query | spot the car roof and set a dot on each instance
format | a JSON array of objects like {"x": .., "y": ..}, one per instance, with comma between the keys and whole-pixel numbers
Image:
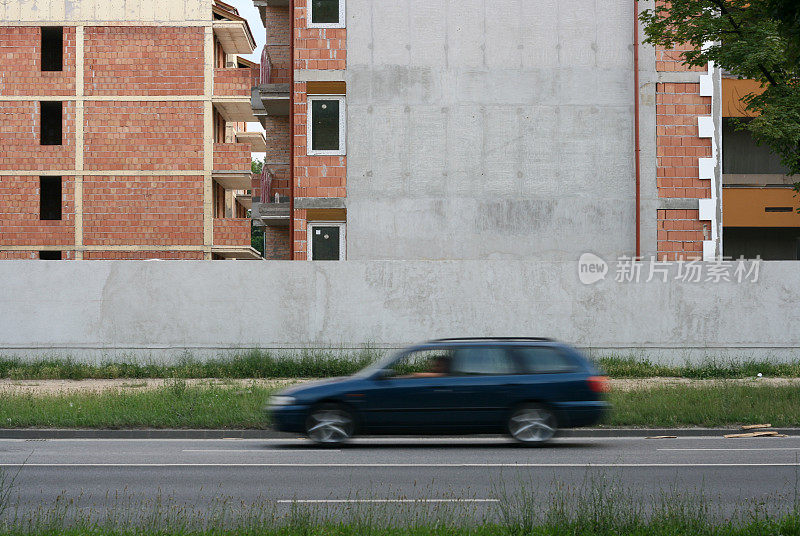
[{"x": 488, "y": 341}]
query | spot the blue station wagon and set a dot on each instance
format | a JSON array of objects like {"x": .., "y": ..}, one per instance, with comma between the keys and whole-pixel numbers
[{"x": 526, "y": 387}]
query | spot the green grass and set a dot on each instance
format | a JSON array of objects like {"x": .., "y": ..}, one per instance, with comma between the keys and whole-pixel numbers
[
  {"x": 324, "y": 363},
  {"x": 782, "y": 526},
  {"x": 182, "y": 406},
  {"x": 536, "y": 509},
  {"x": 174, "y": 406},
  {"x": 631, "y": 367},
  {"x": 252, "y": 364}
]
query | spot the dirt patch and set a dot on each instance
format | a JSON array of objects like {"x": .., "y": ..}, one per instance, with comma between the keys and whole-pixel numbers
[
  {"x": 634, "y": 384},
  {"x": 54, "y": 387}
]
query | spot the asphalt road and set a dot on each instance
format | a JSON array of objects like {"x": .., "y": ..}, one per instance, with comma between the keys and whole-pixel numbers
[{"x": 481, "y": 473}]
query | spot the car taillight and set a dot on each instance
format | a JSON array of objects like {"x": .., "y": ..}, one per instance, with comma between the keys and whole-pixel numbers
[{"x": 598, "y": 384}]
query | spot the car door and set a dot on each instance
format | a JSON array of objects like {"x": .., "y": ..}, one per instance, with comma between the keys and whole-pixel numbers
[
  {"x": 550, "y": 375},
  {"x": 484, "y": 378},
  {"x": 407, "y": 397}
]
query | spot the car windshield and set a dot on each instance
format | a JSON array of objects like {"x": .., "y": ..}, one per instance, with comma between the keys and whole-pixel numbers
[{"x": 380, "y": 364}]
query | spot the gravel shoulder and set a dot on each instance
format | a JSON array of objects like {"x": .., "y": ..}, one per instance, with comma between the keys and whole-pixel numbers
[{"x": 55, "y": 387}]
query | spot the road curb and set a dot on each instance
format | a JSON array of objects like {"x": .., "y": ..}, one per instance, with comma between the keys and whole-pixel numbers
[{"x": 40, "y": 433}]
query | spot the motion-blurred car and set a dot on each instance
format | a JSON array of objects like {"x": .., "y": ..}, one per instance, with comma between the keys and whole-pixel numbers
[{"x": 526, "y": 387}]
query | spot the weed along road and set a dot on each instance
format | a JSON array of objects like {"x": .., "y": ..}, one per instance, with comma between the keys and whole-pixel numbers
[{"x": 480, "y": 472}]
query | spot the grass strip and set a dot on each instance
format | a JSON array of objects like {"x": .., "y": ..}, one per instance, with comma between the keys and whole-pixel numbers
[
  {"x": 325, "y": 363},
  {"x": 787, "y": 525},
  {"x": 180, "y": 406}
]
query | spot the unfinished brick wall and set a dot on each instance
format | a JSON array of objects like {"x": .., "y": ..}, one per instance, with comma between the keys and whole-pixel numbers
[
  {"x": 278, "y": 44},
  {"x": 669, "y": 60},
  {"x": 20, "y": 142},
  {"x": 678, "y": 148},
  {"x": 143, "y": 210},
  {"x": 680, "y": 234},
  {"x": 143, "y": 135},
  {"x": 20, "y": 63},
  {"x": 232, "y": 81},
  {"x": 231, "y": 231},
  {"x": 29, "y": 255},
  {"x": 318, "y": 48},
  {"x": 232, "y": 156},
  {"x": 300, "y": 234},
  {"x": 19, "y": 213},
  {"x": 276, "y": 243},
  {"x": 142, "y": 255},
  {"x": 138, "y": 60},
  {"x": 678, "y": 144}
]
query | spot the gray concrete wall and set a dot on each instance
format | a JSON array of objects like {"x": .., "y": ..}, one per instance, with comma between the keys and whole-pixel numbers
[
  {"x": 494, "y": 129},
  {"x": 158, "y": 309}
]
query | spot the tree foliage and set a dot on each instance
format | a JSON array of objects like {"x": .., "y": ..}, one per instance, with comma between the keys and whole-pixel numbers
[{"x": 755, "y": 39}]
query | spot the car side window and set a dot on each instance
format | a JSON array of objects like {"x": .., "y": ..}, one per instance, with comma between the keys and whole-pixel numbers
[
  {"x": 481, "y": 361},
  {"x": 422, "y": 364},
  {"x": 544, "y": 360}
]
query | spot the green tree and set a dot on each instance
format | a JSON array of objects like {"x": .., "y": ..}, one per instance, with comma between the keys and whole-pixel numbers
[
  {"x": 756, "y": 39},
  {"x": 257, "y": 239},
  {"x": 256, "y": 166}
]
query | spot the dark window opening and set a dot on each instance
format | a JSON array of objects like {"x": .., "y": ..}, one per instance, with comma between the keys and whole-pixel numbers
[
  {"x": 325, "y": 12},
  {"x": 50, "y": 198},
  {"x": 52, "y": 49},
  {"x": 741, "y": 155},
  {"x": 324, "y": 125},
  {"x": 50, "y": 255},
  {"x": 325, "y": 243},
  {"x": 50, "y": 122},
  {"x": 768, "y": 243}
]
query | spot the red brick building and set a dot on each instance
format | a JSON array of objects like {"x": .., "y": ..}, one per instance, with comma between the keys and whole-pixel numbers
[
  {"x": 122, "y": 133},
  {"x": 315, "y": 202}
]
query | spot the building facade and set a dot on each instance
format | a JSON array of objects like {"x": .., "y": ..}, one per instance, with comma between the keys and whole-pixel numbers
[
  {"x": 504, "y": 129},
  {"x": 123, "y": 130}
]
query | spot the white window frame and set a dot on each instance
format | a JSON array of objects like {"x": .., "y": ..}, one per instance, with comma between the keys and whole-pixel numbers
[
  {"x": 340, "y": 24},
  {"x": 342, "y": 237},
  {"x": 342, "y": 126}
]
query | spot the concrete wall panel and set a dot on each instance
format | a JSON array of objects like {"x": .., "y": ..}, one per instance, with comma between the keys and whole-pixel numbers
[
  {"x": 477, "y": 110},
  {"x": 160, "y": 309}
]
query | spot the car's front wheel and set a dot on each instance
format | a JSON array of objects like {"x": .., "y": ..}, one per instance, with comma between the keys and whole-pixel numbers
[
  {"x": 532, "y": 424},
  {"x": 330, "y": 424}
]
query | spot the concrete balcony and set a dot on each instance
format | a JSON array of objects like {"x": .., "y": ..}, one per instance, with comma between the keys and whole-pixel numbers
[
  {"x": 232, "y": 162},
  {"x": 256, "y": 140},
  {"x": 270, "y": 99},
  {"x": 234, "y": 36},
  {"x": 233, "y": 93},
  {"x": 271, "y": 214},
  {"x": 232, "y": 239}
]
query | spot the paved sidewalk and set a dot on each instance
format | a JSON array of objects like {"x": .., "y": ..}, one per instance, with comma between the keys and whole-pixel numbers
[
  {"x": 49, "y": 433},
  {"x": 54, "y": 387}
]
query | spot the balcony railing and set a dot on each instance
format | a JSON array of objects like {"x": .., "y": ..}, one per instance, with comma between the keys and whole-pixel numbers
[
  {"x": 233, "y": 81},
  {"x": 232, "y": 157},
  {"x": 266, "y": 66},
  {"x": 232, "y": 231},
  {"x": 266, "y": 185}
]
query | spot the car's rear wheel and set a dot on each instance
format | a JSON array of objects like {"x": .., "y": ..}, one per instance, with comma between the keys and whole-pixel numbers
[
  {"x": 532, "y": 424},
  {"x": 329, "y": 424}
]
